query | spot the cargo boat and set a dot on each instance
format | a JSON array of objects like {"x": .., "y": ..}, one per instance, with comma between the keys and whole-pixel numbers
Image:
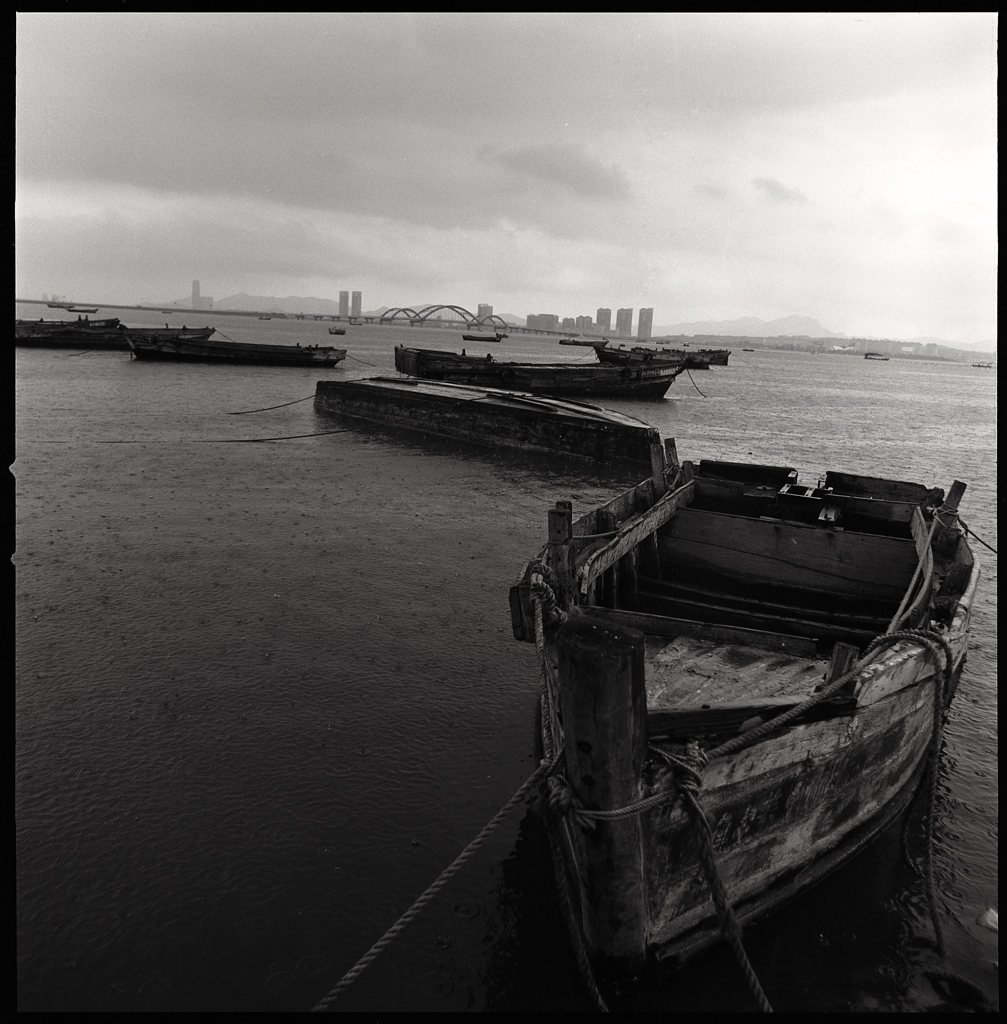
[
  {"x": 575, "y": 380},
  {"x": 196, "y": 346}
]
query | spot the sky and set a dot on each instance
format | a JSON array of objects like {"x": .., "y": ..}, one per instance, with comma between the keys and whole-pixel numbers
[{"x": 837, "y": 166}]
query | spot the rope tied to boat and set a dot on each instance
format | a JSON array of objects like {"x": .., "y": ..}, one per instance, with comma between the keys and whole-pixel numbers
[
  {"x": 971, "y": 533},
  {"x": 541, "y": 583}
]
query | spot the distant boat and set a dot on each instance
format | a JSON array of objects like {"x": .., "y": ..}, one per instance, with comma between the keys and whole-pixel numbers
[
  {"x": 79, "y": 333},
  {"x": 499, "y": 336},
  {"x": 983, "y": 366},
  {"x": 83, "y": 309},
  {"x": 748, "y": 350},
  {"x": 195, "y": 346},
  {"x": 573, "y": 380},
  {"x": 694, "y": 359},
  {"x": 59, "y": 305},
  {"x": 876, "y": 355},
  {"x": 337, "y": 330},
  {"x": 584, "y": 344},
  {"x": 265, "y": 318}
]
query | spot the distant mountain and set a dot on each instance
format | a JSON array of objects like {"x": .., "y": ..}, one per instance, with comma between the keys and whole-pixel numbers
[{"x": 752, "y": 327}]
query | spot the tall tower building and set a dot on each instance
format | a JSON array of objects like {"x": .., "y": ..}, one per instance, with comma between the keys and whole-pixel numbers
[
  {"x": 624, "y": 323},
  {"x": 645, "y": 328},
  {"x": 355, "y": 304},
  {"x": 344, "y": 303},
  {"x": 484, "y": 310},
  {"x": 604, "y": 320},
  {"x": 195, "y": 295}
]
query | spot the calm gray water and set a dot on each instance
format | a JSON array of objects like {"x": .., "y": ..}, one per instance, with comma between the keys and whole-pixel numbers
[{"x": 266, "y": 692}]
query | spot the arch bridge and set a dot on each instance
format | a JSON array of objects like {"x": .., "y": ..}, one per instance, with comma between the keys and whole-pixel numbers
[{"x": 421, "y": 316}]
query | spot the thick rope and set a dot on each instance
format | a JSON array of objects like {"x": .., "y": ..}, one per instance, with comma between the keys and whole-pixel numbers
[{"x": 358, "y": 968}]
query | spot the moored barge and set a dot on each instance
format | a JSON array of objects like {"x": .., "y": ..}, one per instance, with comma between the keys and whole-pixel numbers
[{"x": 494, "y": 417}]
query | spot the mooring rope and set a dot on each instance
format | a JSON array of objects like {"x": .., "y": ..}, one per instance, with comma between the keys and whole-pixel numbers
[
  {"x": 257, "y": 440},
  {"x": 971, "y": 533},
  {"x": 358, "y": 968},
  {"x": 694, "y": 384},
  {"x": 562, "y": 801},
  {"x": 359, "y": 360},
  {"x": 245, "y": 412}
]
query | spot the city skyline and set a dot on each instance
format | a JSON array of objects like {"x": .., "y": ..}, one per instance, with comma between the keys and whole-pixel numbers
[{"x": 835, "y": 166}]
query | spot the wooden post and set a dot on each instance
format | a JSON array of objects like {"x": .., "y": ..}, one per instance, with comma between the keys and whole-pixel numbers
[
  {"x": 603, "y": 703},
  {"x": 844, "y": 657},
  {"x": 955, "y": 495},
  {"x": 657, "y": 463},
  {"x": 671, "y": 453},
  {"x": 559, "y": 555}
]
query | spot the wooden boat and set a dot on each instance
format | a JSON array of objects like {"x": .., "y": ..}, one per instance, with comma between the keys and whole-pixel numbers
[
  {"x": 83, "y": 309},
  {"x": 585, "y": 344},
  {"x": 748, "y": 350},
  {"x": 983, "y": 366},
  {"x": 494, "y": 417},
  {"x": 781, "y": 654},
  {"x": 619, "y": 356},
  {"x": 499, "y": 336},
  {"x": 876, "y": 356},
  {"x": 196, "y": 346},
  {"x": 80, "y": 333},
  {"x": 558, "y": 379},
  {"x": 337, "y": 330}
]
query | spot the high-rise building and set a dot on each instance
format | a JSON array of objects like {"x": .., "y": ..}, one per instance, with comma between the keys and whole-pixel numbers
[
  {"x": 484, "y": 310},
  {"x": 624, "y": 323},
  {"x": 355, "y": 300},
  {"x": 604, "y": 320},
  {"x": 645, "y": 327},
  {"x": 200, "y": 301},
  {"x": 344, "y": 303},
  {"x": 569, "y": 324},
  {"x": 584, "y": 323},
  {"x": 195, "y": 295},
  {"x": 543, "y": 321}
]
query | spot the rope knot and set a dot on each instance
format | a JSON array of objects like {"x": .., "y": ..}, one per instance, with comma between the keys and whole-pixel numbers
[
  {"x": 692, "y": 767},
  {"x": 543, "y": 593}
]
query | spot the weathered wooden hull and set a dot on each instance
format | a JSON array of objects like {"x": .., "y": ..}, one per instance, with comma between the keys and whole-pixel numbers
[
  {"x": 91, "y": 334},
  {"x": 705, "y": 667},
  {"x": 563, "y": 379},
  {"x": 653, "y": 357},
  {"x": 198, "y": 347},
  {"x": 491, "y": 417}
]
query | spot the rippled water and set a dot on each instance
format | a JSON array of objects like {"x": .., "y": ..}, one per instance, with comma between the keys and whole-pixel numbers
[{"x": 266, "y": 692}]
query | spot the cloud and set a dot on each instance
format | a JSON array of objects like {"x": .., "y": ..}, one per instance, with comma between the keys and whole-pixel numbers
[
  {"x": 778, "y": 192},
  {"x": 567, "y": 164}
]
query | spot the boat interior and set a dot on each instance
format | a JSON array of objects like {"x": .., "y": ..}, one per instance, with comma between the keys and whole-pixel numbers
[{"x": 752, "y": 590}]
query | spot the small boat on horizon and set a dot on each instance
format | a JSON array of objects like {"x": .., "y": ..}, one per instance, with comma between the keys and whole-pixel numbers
[
  {"x": 573, "y": 380},
  {"x": 876, "y": 356},
  {"x": 337, "y": 330},
  {"x": 499, "y": 336},
  {"x": 195, "y": 346},
  {"x": 83, "y": 309}
]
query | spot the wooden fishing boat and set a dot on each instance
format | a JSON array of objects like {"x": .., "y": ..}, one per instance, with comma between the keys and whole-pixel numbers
[
  {"x": 558, "y": 379},
  {"x": 499, "y": 336},
  {"x": 196, "y": 346},
  {"x": 80, "y": 333},
  {"x": 497, "y": 418},
  {"x": 83, "y": 309},
  {"x": 337, "y": 330},
  {"x": 721, "y": 639},
  {"x": 619, "y": 356},
  {"x": 876, "y": 356}
]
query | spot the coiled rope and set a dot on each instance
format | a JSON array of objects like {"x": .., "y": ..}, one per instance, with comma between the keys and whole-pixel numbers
[{"x": 563, "y": 803}]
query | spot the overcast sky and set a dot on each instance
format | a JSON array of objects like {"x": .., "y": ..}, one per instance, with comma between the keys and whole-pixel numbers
[{"x": 839, "y": 166}]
